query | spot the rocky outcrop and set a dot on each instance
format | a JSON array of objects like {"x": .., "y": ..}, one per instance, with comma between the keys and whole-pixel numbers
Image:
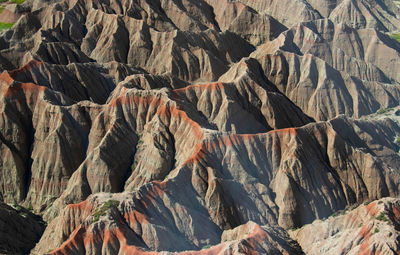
[
  {"x": 87, "y": 30},
  {"x": 231, "y": 189},
  {"x": 91, "y": 131},
  {"x": 369, "y": 229},
  {"x": 329, "y": 69},
  {"x": 90, "y": 81},
  {"x": 199, "y": 127},
  {"x": 381, "y": 15},
  {"x": 255, "y": 27},
  {"x": 111, "y": 220}
]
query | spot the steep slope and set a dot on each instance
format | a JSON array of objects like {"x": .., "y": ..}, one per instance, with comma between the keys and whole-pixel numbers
[
  {"x": 300, "y": 10},
  {"x": 92, "y": 132},
  {"x": 255, "y": 27},
  {"x": 20, "y": 229},
  {"x": 329, "y": 69},
  {"x": 369, "y": 229},
  {"x": 381, "y": 15},
  {"x": 86, "y": 31},
  {"x": 199, "y": 126},
  {"x": 89, "y": 81},
  {"x": 219, "y": 189}
]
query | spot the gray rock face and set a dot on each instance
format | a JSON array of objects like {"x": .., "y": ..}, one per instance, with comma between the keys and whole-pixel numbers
[
  {"x": 199, "y": 127},
  {"x": 329, "y": 69}
]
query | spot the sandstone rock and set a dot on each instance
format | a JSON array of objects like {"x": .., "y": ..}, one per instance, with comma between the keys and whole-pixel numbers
[
  {"x": 327, "y": 73},
  {"x": 219, "y": 189},
  {"x": 183, "y": 126},
  {"x": 369, "y": 229}
]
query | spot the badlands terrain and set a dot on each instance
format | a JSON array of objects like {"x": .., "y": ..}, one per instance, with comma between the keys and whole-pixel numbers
[{"x": 199, "y": 127}]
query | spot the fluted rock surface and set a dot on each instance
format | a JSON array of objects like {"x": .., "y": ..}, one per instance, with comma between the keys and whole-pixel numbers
[
  {"x": 200, "y": 126},
  {"x": 330, "y": 69},
  {"x": 369, "y": 229}
]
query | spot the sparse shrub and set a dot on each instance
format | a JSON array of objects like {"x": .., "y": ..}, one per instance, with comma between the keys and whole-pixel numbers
[
  {"x": 13, "y": 1},
  {"x": 4, "y": 25},
  {"x": 17, "y": 1},
  {"x": 134, "y": 165},
  {"x": 139, "y": 135},
  {"x": 382, "y": 217},
  {"x": 337, "y": 213},
  {"x": 96, "y": 218},
  {"x": 104, "y": 208},
  {"x": 376, "y": 230},
  {"x": 396, "y": 37},
  {"x": 397, "y": 141},
  {"x": 206, "y": 247},
  {"x": 383, "y": 110}
]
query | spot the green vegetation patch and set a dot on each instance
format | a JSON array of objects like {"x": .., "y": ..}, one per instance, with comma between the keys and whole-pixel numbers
[
  {"x": 104, "y": 208},
  {"x": 139, "y": 136},
  {"x": 206, "y": 247},
  {"x": 376, "y": 230},
  {"x": 397, "y": 141},
  {"x": 12, "y": 1},
  {"x": 383, "y": 110},
  {"x": 396, "y": 36},
  {"x": 4, "y": 25},
  {"x": 17, "y": 1},
  {"x": 382, "y": 217}
]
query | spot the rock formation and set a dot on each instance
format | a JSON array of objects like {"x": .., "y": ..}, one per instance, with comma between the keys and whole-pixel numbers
[
  {"x": 199, "y": 127},
  {"x": 369, "y": 229}
]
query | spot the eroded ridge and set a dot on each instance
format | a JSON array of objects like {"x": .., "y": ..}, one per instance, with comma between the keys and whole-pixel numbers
[{"x": 199, "y": 127}]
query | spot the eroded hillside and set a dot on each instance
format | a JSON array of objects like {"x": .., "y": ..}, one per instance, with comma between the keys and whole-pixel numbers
[{"x": 200, "y": 127}]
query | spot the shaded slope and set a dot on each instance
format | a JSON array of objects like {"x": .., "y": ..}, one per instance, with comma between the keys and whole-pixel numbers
[
  {"x": 20, "y": 229},
  {"x": 219, "y": 188},
  {"x": 189, "y": 126},
  {"x": 328, "y": 70}
]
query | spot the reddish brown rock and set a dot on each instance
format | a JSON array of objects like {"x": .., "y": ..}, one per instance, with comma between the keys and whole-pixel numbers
[
  {"x": 189, "y": 126},
  {"x": 369, "y": 229}
]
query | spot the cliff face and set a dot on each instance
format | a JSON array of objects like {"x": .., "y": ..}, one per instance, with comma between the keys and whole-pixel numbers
[{"x": 199, "y": 127}]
